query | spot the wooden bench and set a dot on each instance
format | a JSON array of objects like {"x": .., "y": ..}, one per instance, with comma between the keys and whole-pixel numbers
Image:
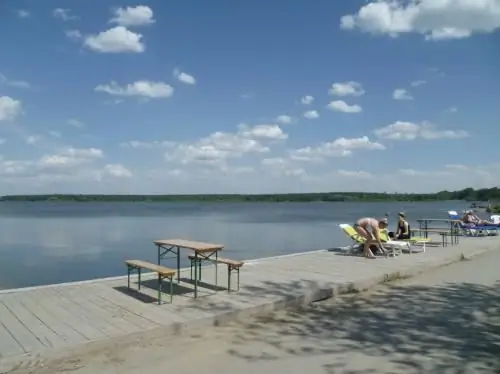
[
  {"x": 162, "y": 271},
  {"x": 231, "y": 265}
]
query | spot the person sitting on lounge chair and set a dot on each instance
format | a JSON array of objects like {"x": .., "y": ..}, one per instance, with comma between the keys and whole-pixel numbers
[
  {"x": 403, "y": 229},
  {"x": 369, "y": 228},
  {"x": 473, "y": 219}
]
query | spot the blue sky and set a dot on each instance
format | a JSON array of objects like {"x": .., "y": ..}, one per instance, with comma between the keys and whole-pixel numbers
[{"x": 248, "y": 96}]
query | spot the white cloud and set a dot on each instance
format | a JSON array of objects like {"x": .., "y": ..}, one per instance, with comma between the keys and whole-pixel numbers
[
  {"x": 217, "y": 148},
  {"x": 336, "y": 148},
  {"x": 118, "y": 171},
  {"x": 358, "y": 174},
  {"x": 13, "y": 83},
  {"x": 418, "y": 83},
  {"x": 311, "y": 114},
  {"x": 342, "y": 106},
  {"x": 2, "y": 141},
  {"x": 283, "y": 167},
  {"x": 350, "y": 88},
  {"x": 63, "y": 14},
  {"x": 270, "y": 132},
  {"x": 33, "y": 139},
  {"x": 401, "y": 130},
  {"x": 115, "y": 40},
  {"x": 148, "y": 89},
  {"x": 284, "y": 119},
  {"x": 76, "y": 123},
  {"x": 67, "y": 161},
  {"x": 140, "y": 15},
  {"x": 10, "y": 108},
  {"x": 151, "y": 144},
  {"x": 23, "y": 13},
  {"x": 452, "y": 109},
  {"x": 74, "y": 35},
  {"x": 306, "y": 100},
  {"x": 55, "y": 134},
  {"x": 435, "y": 19},
  {"x": 184, "y": 77},
  {"x": 401, "y": 94}
]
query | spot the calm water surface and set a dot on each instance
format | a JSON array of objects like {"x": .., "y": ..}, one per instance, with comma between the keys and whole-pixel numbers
[{"x": 43, "y": 243}]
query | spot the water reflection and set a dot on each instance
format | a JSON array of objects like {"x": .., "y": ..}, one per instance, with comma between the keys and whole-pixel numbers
[{"x": 43, "y": 243}]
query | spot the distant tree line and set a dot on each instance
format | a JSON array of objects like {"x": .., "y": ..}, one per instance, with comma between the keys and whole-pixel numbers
[{"x": 468, "y": 194}]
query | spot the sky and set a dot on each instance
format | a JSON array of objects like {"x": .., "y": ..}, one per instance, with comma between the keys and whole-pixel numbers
[{"x": 234, "y": 96}]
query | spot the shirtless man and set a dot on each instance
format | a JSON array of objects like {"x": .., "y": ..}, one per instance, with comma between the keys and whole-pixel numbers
[{"x": 369, "y": 228}]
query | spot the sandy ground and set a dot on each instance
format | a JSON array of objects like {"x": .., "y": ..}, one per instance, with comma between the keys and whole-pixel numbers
[{"x": 443, "y": 322}]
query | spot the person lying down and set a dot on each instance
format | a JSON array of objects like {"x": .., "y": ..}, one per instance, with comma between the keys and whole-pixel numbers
[{"x": 369, "y": 228}]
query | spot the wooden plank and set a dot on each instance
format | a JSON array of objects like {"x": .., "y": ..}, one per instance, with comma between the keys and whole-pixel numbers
[
  {"x": 18, "y": 330},
  {"x": 61, "y": 311},
  {"x": 77, "y": 302},
  {"x": 42, "y": 308},
  {"x": 153, "y": 313},
  {"x": 189, "y": 244},
  {"x": 153, "y": 267},
  {"x": 9, "y": 346},
  {"x": 114, "y": 314},
  {"x": 43, "y": 333}
]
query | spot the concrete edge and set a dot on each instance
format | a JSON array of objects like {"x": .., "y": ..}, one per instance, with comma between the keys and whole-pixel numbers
[
  {"x": 314, "y": 293},
  {"x": 133, "y": 276}
]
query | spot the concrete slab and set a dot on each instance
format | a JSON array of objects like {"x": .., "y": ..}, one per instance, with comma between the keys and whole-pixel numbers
[{"x": 40, "y": 320}]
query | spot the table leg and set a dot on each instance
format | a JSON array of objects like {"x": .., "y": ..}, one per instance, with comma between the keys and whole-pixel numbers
[
  {"x": 160, "y": 281},
  {"x": 216, "y": 257},
  {"x": 196, "y": 275},
  {"x": 178, "y": 250}
]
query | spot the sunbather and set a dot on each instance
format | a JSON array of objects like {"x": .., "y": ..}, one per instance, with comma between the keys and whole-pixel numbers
[
  {"x": 369, "y": 228},
  {"x": 403, "y": 229},
  {"x": 470, "y": 218}
]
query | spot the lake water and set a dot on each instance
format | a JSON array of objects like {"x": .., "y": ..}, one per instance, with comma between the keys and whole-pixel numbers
[{"x": 44, "y": 243}]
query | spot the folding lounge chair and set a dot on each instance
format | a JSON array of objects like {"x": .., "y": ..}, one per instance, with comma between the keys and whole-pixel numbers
[
  {"x": 395, "y": 247},
  {"x": 472, "y": 230}
]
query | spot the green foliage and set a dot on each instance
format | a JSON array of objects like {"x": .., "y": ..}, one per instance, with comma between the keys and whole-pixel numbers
[
  {"x": 469, "y": 194},
  {"x": 495, "y": 209}
]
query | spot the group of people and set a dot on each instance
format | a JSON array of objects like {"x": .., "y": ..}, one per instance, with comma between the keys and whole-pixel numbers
[{"x": 370, "y": 229}]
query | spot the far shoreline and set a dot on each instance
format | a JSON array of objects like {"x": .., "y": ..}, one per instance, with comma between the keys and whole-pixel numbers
[{"x": 485, "y": 197}]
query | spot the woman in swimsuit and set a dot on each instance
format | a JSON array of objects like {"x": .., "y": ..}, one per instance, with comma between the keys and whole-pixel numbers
[{"x": 369, "y": 228}]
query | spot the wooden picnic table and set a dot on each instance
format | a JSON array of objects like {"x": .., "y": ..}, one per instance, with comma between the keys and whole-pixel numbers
[
  {"x": 444, "y": 232},
  {"x": 201, "y": 250},
  {"x": 424, "y": 224}
]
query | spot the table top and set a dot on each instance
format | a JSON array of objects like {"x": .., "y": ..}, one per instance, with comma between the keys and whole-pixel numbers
[
  {"x": 189, "y": 244},
  {"x": 438, "y": 231},
  {"x": 437, "y": 220}
]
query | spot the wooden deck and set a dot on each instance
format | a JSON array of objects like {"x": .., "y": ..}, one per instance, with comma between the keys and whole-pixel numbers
[{"x": 51, "y": 317}]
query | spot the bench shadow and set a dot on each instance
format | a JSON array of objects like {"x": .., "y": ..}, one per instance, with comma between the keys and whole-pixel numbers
[
  {"x": 136, "y": 294},
  {"x": 202, "y": 284},
  {"x": 152, "y": 284}
]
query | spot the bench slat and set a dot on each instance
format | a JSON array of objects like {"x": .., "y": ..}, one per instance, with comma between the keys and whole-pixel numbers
[
  {"x": 227, "y": 261},
  {"x": 153, "y": 267}
]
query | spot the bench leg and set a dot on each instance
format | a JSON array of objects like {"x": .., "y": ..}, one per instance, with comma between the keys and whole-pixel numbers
[
  {"x": 191, "y": 268},
  {"x": 238, "y": 279},
  {"x": 171, "y": 290},
  {"x": 139, "y": 282},
  {"x": 128, "y": 277},
  {"x": 160, "y": 281},
  {"x": 229, "y": 278}
]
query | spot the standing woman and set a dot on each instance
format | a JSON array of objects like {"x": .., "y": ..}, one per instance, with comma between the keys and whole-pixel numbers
[
  {"x": 403, "y": 230},
  {"x": 369, "y": 228}
]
